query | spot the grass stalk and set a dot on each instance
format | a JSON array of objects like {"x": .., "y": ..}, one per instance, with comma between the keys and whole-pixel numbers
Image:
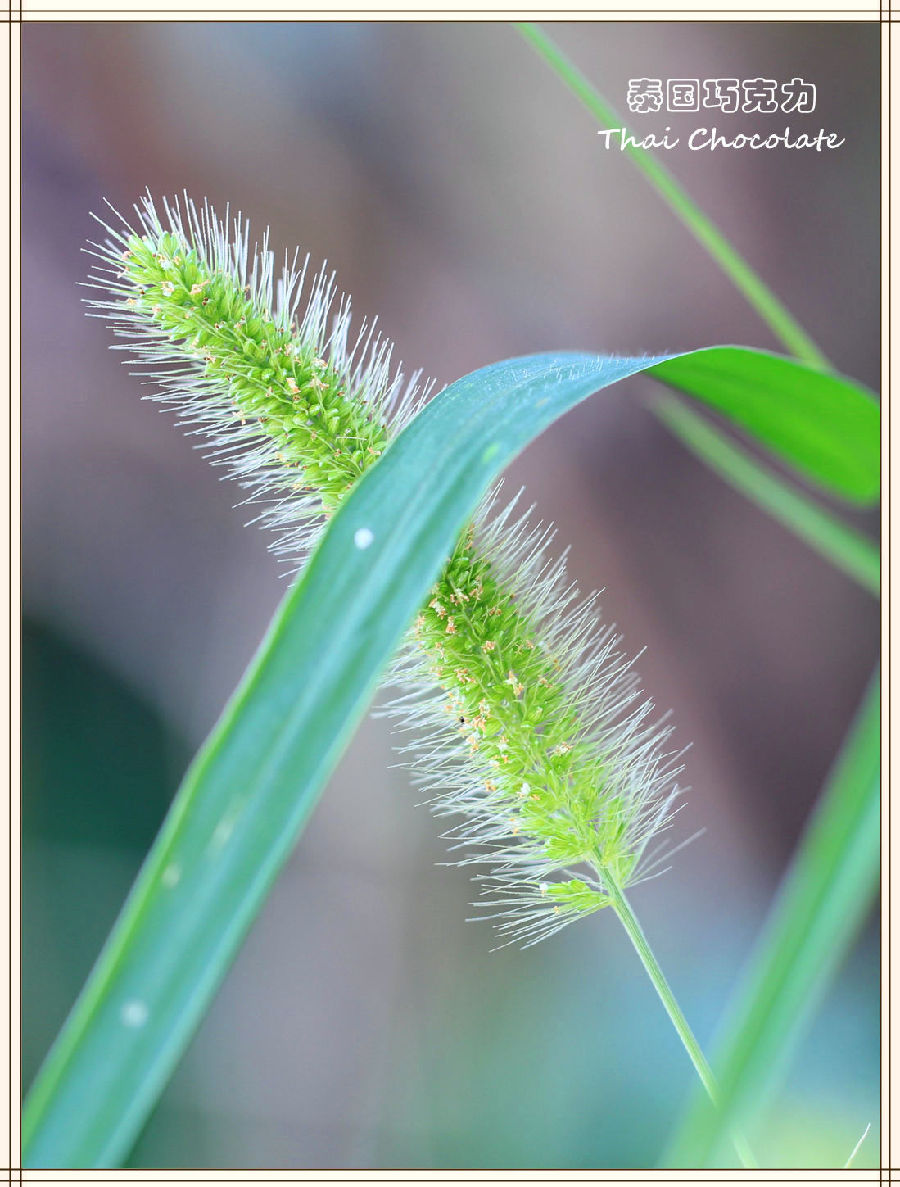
[
  {"x": 823, "y": 901},
  {"x": 631, "y": 923},
  {"x": 845, "y": 548},
  {"x": 758, "y": 294}
]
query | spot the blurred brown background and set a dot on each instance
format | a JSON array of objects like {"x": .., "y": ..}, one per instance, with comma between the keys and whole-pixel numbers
[{"x": 462, "y": 195}]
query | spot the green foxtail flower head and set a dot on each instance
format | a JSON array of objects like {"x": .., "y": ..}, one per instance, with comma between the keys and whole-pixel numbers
[{"x": 528, "y": 725}]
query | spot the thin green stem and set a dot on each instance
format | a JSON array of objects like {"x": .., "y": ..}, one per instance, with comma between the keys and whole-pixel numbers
[
  {"x": 821, "y": 905},
  {"x": 844, "y": 547},
  {"x": 776, "y": 316},
  {"x": 632, "y": 926}
]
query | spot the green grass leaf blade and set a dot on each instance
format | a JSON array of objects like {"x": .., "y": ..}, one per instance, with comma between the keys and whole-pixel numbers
[
  {"x": 248, "y": 793},
  {"x": 822, "y": 903},
  {"x": 826, "y": 426},
  {"x": 845, "y": 548},
  {"x": 776, "y": 316}
]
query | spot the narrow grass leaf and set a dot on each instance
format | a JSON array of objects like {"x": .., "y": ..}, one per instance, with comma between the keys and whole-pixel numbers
[
  {"x": 845, "y": 548},
  {"x": 825, "y": 426},
  {"x": 776, "y": 316},
  {"x": 823, "y": 901}
]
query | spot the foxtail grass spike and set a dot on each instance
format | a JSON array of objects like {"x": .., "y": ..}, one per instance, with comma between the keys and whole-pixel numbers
[{"x": 529, "y": 727}]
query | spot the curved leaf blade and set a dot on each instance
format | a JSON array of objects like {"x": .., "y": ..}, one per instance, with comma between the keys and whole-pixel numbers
[
  {"x": 255, "y": 781},
  {"x": 824, "y": 425}
]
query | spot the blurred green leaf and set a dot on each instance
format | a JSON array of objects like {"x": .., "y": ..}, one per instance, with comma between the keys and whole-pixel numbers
[
  {"x": 823, "y": 901},
  {"x": 89, "y": 813}
]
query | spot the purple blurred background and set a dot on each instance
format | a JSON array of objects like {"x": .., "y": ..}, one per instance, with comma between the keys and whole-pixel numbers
[{"x": 462, "y": 195}]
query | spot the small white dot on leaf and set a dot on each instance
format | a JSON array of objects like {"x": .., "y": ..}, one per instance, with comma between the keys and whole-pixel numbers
[
  {"x": 171, "y": 875},
  {"x": 363, "y": 537},
  {"x": 134, "y": 1013},
  {"x": 221, "y": 833}
]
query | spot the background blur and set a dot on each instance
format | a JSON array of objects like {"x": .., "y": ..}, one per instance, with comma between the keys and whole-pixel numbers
[{"x": 461, "y": 194}]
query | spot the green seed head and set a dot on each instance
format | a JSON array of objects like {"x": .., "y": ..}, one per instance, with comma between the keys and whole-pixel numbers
[{"x": 529, "y": 727}]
